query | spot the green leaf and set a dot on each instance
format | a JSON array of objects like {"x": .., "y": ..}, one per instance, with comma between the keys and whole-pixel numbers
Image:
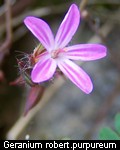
[
  {"x": 117, "y": 123},
  {"x": 108, "y": 134}
]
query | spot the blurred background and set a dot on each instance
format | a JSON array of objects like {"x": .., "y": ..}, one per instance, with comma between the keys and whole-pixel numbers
[{"x": 65, "y": 111}]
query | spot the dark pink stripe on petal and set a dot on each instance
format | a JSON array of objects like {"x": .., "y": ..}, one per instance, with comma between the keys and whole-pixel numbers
[
  {"x": 76, "y": 75},
  {"x": 41, "y": 31},
  {"x": 86, "y": 52},
  {"x": 68, "y": 27},
  {"x": 43, "y": 70}
]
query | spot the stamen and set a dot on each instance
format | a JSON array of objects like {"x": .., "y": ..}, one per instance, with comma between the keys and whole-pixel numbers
[{"x": 55, "y": 53}]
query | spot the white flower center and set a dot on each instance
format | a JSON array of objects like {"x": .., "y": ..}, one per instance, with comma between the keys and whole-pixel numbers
[{"x": 55, "y": 53}]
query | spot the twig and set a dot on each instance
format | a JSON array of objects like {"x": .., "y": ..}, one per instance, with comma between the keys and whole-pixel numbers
[
  {"x": 39, "y": 12},
  {"x": 83, "y": 4},
  {"x": 6, "y": 45},
  {"x": 17, "y": 8},
  {"x": 101, "y": 2}
]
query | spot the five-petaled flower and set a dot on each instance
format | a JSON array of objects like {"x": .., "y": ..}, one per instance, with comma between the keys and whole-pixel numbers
[{"x": 59, "y": 55}]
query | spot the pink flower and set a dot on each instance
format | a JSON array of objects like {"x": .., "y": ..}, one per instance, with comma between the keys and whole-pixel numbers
[{"x": 59, "y": 55}]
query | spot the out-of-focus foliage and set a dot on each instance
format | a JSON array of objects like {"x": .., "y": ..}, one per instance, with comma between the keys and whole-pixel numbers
[
  {"x": 117, "y": 123},
  {"x": 107, "y": 133}
]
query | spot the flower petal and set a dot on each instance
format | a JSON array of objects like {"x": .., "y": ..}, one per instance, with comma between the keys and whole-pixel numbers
[
  {"x": 68, "y": 27},
  {"x": 76, "y": 75},
  {"x": 43, "y": 70},
  {"x": 41, "y": 31},
  {"x": 86, "y": 52}
]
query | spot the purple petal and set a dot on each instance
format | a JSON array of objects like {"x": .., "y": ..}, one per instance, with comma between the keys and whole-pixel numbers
[
  {"x": 76, "y": 75},
  {"x": 43, "y": 70},
  {"x": 41, "y": 31},
  {"x": 68, "y": 27},
  {"x": 86, "y": 52}
]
